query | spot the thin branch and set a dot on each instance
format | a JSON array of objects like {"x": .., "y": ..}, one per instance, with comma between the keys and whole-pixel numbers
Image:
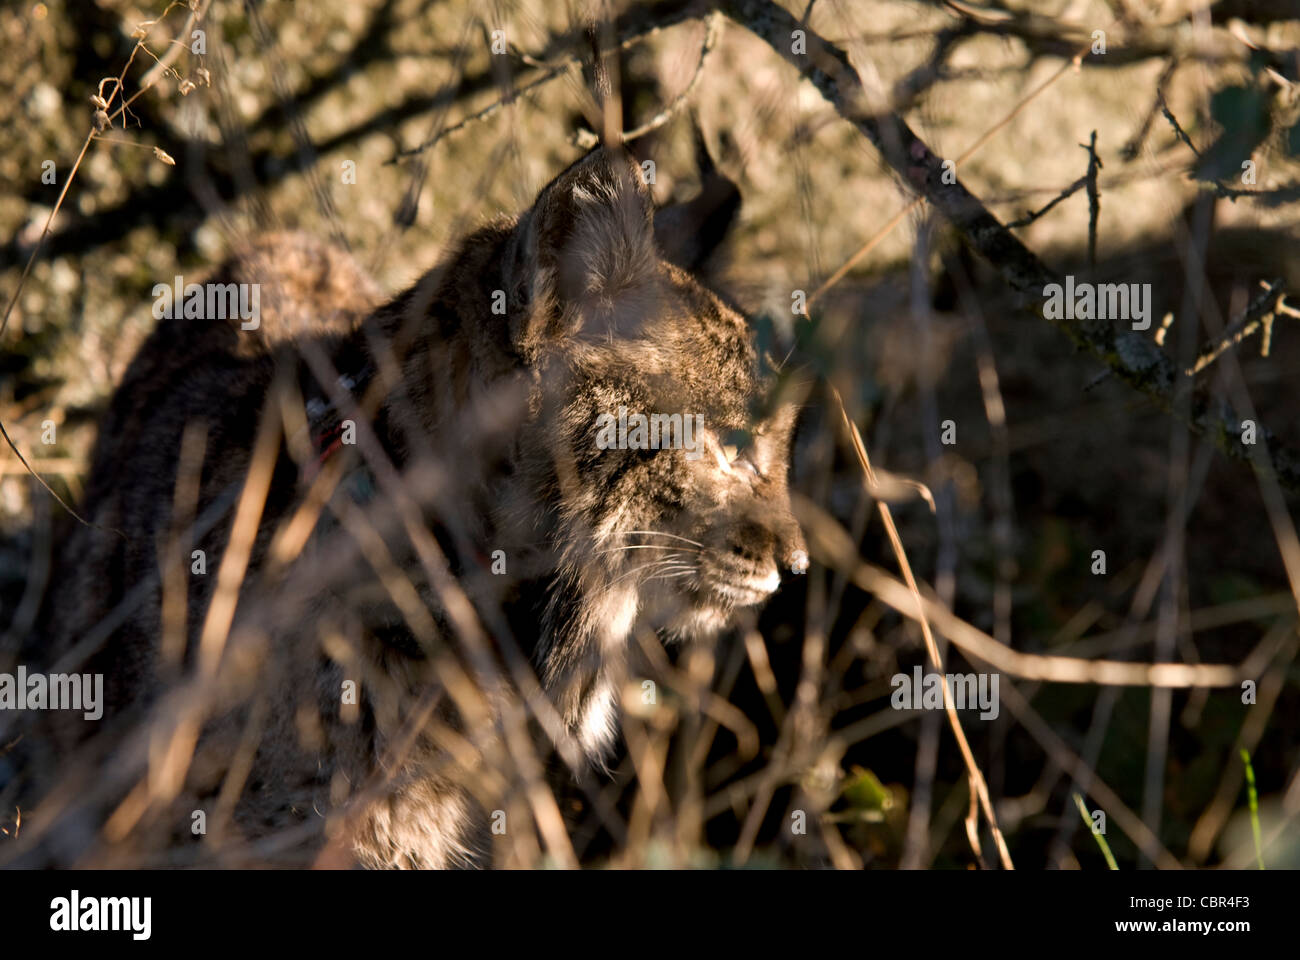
[
  {"x": 1260, "y": 313},
  {"x": 1173, "y": 122},
  {"x": 637, "y": 25},
  {"x": 1134, "y": 143},
  {"x": 1033, "y": 215},
  {"x": 712, "y": 28},
  {"x": 1094, "y": 196}
]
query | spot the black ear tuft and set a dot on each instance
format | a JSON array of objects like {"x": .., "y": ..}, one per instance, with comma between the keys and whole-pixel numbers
[{"x": 690, "y": 233}]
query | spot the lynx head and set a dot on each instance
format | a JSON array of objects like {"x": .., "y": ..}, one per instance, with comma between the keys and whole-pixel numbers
[{"x": 663, "y": 452}]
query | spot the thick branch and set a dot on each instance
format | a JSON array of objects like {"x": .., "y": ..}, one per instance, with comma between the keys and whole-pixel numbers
[{"x": 1129, "y": 355}]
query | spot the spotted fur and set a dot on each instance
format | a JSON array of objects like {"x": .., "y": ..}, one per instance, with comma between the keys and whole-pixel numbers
[{"x": 488, "y": 419}]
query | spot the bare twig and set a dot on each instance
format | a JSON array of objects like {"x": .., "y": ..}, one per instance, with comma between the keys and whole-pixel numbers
[
  {"x": 1033, "y": 215},
  {"x": 1259, "y": 314},
  {"x": 1094, "y": 196},
  {"x": 586, "y": 139},
  {"x": 1173, "y": 122}
]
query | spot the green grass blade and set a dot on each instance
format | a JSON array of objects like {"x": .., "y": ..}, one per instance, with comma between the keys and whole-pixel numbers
[
  {"x": 1253, "y": 796},
  {"x": 1101, "y": 840}
]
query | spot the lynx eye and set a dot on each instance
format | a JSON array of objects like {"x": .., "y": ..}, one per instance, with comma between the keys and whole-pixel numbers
[
  {"x": 735, "y": 452},
  {"x": 730, "y": 457},
  {"x": 737, "y": 458}
]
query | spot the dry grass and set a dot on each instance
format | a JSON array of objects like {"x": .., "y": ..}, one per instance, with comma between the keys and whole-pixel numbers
[{"x": 1123, "y": 687}]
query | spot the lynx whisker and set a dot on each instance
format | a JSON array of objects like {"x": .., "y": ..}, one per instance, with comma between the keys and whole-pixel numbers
[
  {"x": 648, "y": 546},
  {"x": 660, "y": 533},
  {"x": 644, "y": 566}
]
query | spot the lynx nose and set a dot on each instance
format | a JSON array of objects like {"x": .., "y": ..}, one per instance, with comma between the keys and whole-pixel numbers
[{"x": 792, "y": 550}]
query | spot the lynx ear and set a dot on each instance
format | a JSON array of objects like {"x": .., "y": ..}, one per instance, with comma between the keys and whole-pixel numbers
[
  {"x": 689, "y": 233},
  {"x": 583, "y": 259}
]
